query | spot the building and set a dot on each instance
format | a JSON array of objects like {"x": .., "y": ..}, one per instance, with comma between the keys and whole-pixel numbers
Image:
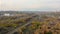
[{"x": 7, "y": 14}]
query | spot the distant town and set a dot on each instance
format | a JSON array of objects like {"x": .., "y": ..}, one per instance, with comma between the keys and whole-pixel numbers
[{"x": 28, "y": 22}]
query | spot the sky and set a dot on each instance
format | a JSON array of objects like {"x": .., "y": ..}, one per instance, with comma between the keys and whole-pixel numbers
[{"x": 30, "y": 5}]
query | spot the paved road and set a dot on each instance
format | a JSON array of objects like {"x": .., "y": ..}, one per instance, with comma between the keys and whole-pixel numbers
[{"x": 29, "y": 22}]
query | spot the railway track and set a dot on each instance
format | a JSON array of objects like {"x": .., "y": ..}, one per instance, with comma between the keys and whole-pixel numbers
[{"x": 29, "y": 21}]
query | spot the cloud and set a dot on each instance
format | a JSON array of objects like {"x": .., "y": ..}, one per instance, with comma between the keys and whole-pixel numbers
[{"x": 29, "y": 5}]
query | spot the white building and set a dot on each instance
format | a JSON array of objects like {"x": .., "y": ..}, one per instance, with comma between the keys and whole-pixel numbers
[{"x": 6, "y": 14}]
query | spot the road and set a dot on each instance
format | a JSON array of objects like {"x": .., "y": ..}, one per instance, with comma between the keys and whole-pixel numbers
[{"x": 29, "y": 22}]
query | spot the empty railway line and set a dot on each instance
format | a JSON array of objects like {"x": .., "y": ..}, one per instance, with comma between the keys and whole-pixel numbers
[{"x": 29, "y": 21}]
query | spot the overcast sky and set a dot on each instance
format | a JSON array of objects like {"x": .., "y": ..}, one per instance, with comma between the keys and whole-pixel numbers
[{"x": 29, "y": 5}]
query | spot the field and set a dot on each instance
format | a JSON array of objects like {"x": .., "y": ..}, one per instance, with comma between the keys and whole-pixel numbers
[{"x": 13, "y": 22}]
